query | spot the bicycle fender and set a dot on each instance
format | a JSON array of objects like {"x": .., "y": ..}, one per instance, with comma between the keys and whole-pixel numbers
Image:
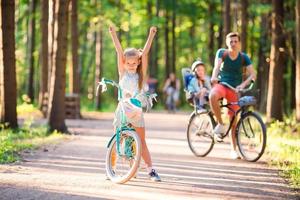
[
  {"x": 191, "y": 116},
  {"x": 122, "y": 129},
  {"x": 111, "y": 139}
]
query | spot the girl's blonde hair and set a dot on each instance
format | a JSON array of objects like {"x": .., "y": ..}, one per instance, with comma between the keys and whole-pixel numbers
[{"x": 133, "y": 52}]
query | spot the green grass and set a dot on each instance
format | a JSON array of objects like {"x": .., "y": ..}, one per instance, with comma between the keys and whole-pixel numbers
[
  {"x": 283, "y": 149},
  {"x": 14, "y": 141}
]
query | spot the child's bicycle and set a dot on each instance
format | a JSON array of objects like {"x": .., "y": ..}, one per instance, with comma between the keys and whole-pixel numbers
[
  {"x": 124, "y": 148},
  {"x": 250, "y": 130}
]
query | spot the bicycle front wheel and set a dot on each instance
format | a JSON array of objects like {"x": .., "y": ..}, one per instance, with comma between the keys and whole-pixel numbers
[
  {"x": 122, "y": 161},
  {"x": 251, "y": 136},
  {"x": 199, "y": 134}
]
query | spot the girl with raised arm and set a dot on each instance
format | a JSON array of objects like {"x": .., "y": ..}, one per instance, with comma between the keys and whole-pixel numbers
[{"x": 132, "y": 68}]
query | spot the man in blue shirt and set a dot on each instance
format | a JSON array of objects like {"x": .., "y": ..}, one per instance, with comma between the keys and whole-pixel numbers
[{"x": 228, "y": 67}]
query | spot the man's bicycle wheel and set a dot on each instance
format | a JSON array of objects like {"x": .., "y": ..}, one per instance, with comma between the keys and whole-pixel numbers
[
  {"x": 251, "y": 136},
  {"x": 199, "y": 134},
  {"x": 122, "y": 161}
]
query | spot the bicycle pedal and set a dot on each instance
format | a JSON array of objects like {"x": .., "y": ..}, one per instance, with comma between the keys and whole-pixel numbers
[{"x": 218, "y": 139}]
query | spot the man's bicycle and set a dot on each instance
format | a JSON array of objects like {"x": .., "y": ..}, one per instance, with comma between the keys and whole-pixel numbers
[
  {"x": 124, "y": 148},
  {"x": 250, "y": 130}
]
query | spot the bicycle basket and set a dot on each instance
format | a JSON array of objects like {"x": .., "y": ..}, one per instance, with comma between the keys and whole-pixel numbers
[
  {"x": 132, "y": 109},
  {"x": 247, "y": 101}
]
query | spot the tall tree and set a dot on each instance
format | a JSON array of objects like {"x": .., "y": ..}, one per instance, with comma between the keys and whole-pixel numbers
[
  {"x": 167, "y": 61},
  {"x": 263, "y": 65},
  {"x": 274, "y": 101},
  {"x": 226, "y": 19},
  {"x": 151, "y": 53},
  {"x": 8, "y": 83},
  {"x": 211, "y": 33},
  {"x": 156, "y": 46},
  {"x": 244, "y": 19},
  {"x": 31, "y": 45},
  {"x": 173, "y": 64},
  {"x": 56, "y": 108},
  {"x": 98, "y": 58},
  {"x": 298, "y": 60},
  {"x": 74, "y": 78},
  {"x": 44, "y": 52},
  {"x": 193, "y": 45},
  {"x": 51, "y": 31}
]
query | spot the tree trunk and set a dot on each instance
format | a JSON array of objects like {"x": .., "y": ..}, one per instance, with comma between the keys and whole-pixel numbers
[
  {"x": 156, "y": 47},
  {"x": 167, "y": 63},
  {"x": 31, "y": 44},
  {"x": 173, "y": 64},
  {"x": 8, "y": 83},
  {"x": 263, "y": 65},
  {"x": 293, "y": 74},
  {"x": 51, "y": 30},
  {"x": 151, "y": 53},
  {"x": 274, "y": 102},
  {"x": 74, "y": 75},
  {"x": 56, "y": 110},
  {"x": 226, "y": 19},
  {"x": 193, "y": 45},
  {"x": 220, "y": 35},
  {"x": 99, "y": 42},
  {"x": 244, "y": 11},
  {"x": 297, "y": 91},
  {"x": 44, "y": 52},
  {"x": 211, "y": 10}
]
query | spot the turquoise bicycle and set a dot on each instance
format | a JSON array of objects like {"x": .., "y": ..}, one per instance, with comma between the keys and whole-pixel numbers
[{"x": 124, "y": 148}]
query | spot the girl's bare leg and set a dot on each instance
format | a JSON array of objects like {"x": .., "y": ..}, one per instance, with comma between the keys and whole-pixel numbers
[{"x": 145, "y": 152}]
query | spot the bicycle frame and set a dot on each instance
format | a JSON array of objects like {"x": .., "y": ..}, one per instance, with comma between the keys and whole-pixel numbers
[
  {"x": 124, "y": 125},
  {"x": 240, "y": 111}
]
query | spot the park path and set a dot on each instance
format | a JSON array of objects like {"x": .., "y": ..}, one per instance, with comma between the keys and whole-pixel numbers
[{"x": 74, "y": 168}]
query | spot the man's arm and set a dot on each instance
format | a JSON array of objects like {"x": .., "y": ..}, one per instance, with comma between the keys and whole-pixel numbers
[
  {"x": 214, "y": 77},
  {"x": 118, "y": 48},
  {"x": 252, "y": 76}
]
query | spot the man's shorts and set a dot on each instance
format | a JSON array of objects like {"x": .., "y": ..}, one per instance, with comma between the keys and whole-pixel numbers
[{"x": 229, "y": 95}]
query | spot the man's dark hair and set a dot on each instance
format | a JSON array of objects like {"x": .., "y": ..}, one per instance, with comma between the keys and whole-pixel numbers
[{"x": 233, "y": 34}]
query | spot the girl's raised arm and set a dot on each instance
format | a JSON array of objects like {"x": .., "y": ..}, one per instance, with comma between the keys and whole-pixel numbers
[
  {"x": 146, "y": 49},
  {"x": 118, "y": 48},
  {"x": 148, "y": 44}
]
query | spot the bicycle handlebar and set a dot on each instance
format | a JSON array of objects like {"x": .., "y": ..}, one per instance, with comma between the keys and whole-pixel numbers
[
  {"x": 103, "y": 83},
  {"x": 239, "y": 91}
]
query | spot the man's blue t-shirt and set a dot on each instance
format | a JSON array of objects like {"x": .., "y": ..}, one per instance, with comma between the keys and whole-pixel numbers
[{"x": 231, "y": 71}]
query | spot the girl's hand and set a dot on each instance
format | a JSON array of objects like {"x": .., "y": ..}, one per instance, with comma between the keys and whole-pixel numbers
[
  {"x": 140, "y": 52},
  {"x": 153, "y": 30}
]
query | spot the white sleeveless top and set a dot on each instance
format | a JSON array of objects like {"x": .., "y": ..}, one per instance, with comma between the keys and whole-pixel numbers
[{"x": 129, "y": 84}]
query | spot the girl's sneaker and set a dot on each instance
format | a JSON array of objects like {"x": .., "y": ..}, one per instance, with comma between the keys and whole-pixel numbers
[{"x": 154, "y": 176}]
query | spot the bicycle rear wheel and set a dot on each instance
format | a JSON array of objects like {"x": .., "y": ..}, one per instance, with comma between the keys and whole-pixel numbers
[
  {"x": 199, "y": 134},
  {"x": 122, "y": 165},
  {"x": 251, "y": 136}
]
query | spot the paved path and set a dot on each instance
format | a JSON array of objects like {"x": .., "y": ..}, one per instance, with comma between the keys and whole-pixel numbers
[{"x": 74, "y": 169}]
